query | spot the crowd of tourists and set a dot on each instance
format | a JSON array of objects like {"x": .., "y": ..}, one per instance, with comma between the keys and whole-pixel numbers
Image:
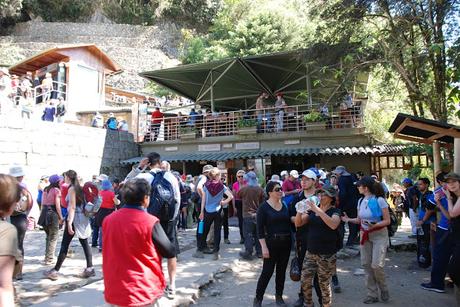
[
  {"x": 112, "y": 123},
  {"x": 298, "y": 217}
]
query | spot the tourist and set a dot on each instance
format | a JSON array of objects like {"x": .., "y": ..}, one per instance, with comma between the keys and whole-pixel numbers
[
  {"x": 373, "y": 217},
  {"x": 274, "y": 232},
  {"x": 261, "y": 112},
  {"x": 237, "y": 203},
  {"x": 185, "y": 200},
  {"x": 19, "y": 216},
  {"x": 280, "y": 105},
  {"x": 443, "y": 247},
  {"x": 348, "y": 198},
  {"x": 251, "y": 195},
  {"x": 308, "y": 183},
  {"x": 157, "y": 119},
  {"x": 97, "y": 121},
  {"x": 60, "y": 110},
  {"x": 64, "y": 187},
  {"x": 211, "y": 209},
  {"x": 123, "y": 125},
  {"x": 49, "y": 112},
  {"x": 51, "y": 217},
  {"x": 284, "y": 175},
  {"x": 47, "y": 87},
  {"x": 76, "y": 224},
  {"x": 411, "y": 203},
  {"x": 453, "y": 200},
  {"x": 153, "y": 162},
  {"x": 111, "y": 123},
  {"x": 291, "y": 187},
  {"x": 134, "y": 243},
  {"x": 426, "y": 216},
  {"x": 225, "y": 213},
  {"x": 108, "y": 205},
  {"x": 5, "y": 91},
  {"x": 276, "y": 178},
  {"x": 192, "y": 117},
  {"x": 10, "y": 194},
  {"x": 43, "y": 183},
  {"x": 323, "y": 220}
]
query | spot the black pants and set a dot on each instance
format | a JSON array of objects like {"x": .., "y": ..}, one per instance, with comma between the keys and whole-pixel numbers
[
  {"x": 279, "y": 250},
  {"x": 454, "y": 264},
  {"x": 301, "y": 251},
  {"x": 20, "y": 222},
  {"x": 209, "y": 218},
  {"x": 95, "y": 232},
  {"x": 225, "y": 222},
  {"x": 423, "y": 247},
  {"x": 155, "y": 131},
  {"x": 239, "y": 214},
  {"x": 66, "y": 239}
]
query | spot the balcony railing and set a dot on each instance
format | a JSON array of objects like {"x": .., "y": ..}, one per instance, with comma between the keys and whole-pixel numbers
[{"x": 300, "y": 118}]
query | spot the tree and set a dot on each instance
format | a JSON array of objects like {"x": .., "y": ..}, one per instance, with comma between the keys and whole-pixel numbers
[
  {"x": 9, "y": 11},
  {"x": 411, "y": 37}
]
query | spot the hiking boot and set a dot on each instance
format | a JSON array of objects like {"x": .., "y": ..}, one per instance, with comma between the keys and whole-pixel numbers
[
  {"x": 245, "y": 256},
  {"x": 215, "y": 256},
  {"x": 198, "y": 254},
  {"x": 170, "y": 293},
  {"x": 227, "y": 241},
  {"x": 51, "y": 274},
  {"x": 88, "y": 272},
  {"x": 279, "y": 301},
  {"x": 208, "y": 251},
  {"x": 428, "y": 286},
  {"x": 385, "y": 296},
  {"x": 370, "y": 300},
  {"x": 257, "y": 302}
]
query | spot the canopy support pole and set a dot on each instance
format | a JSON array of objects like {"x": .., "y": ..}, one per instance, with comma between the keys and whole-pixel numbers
[
  {"x": 457, "y": 155},
  {"x": 212, "y": 93},
  {"x": 436, "y": 159},
  {"x": 308, "y": 81}
]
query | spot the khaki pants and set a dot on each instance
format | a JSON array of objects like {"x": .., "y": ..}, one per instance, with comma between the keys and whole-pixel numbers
[{"x": 373, "y": 254}]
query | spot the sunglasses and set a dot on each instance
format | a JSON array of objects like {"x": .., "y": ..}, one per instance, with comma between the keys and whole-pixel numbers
[
  {"x": 277, "y": 189},
  {"x": 239, "y": 176}
]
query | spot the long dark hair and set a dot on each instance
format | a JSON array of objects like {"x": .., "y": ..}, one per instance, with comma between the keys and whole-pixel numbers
[
  {"x": 377, "y": 189},
  {"x": 72, "y": 175},
  {"x": 51, "y": 186}
]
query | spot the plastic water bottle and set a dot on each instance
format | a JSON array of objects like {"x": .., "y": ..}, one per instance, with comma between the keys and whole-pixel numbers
[{"x": 201, "y": 227}]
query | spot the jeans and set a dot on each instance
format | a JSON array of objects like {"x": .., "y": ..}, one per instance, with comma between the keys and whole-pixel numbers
[
  {"x": 155, "y": 130},
  {"x": 279, "y": 257},
  {"x": 66, "y": 239},
  {"x": 279, "y": 121},
  {"x": 239, "y": 214},
  {"x": 441, "y": 255},
  {"x": 20, "y": 222},
  {"x": 95, "y": 233},
  {"x": 260, "y": 119},
  {"x": 225, "y": 222},
  {"x": 423, "y": 247},
  {"x": 250, "y": 236},
  {"x": 209, "y": 218}
]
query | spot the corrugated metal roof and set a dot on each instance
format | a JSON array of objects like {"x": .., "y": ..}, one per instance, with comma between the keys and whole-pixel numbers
[{"x": 233, "y": 155}]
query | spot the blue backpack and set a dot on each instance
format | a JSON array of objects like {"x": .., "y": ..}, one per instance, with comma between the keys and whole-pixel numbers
[
  {"x": 162, "y": 200},
  {"x": 112, "y": 124}
]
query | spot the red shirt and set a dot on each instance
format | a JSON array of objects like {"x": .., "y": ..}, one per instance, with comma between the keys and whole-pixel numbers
[
  {"x": 131, "y": 264},
  {"x": 289, "y": 185},
  {"x": 107, "y": 199},
  {"x": 64, "y": 190},
  {"x": 157, "y": 117}
]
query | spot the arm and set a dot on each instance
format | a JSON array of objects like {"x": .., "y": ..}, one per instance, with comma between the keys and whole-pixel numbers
[
  {"x": 229, "y": 197},
  {"x": 138, "y": 169},
  {"x": 300, "y": 219},
  {"x": 454, "y": 209},
  {"x": 161, "y": 242},
  {"x": 71, "y": 210},
  {"x": 176, "y": 189},
  {"x": 116, "y": 201},
  {"x": 6, "y": 281},
  {"x": 57, "y": 201},
  {"x": 331, "y": 221},
  {"x": 385, "y": 221},
  {"x": 261, "y": 232},
  {"x": 203, "y": 204}
]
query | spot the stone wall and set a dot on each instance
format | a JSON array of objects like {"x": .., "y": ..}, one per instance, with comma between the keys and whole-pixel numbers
[{"x": 45, "y": 148}]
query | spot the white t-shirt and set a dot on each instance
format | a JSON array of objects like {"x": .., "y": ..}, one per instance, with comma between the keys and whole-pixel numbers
[{"x": 365, "y": 213}]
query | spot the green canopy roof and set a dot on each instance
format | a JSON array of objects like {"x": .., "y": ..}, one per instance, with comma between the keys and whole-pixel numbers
[{"x": 235, "y": 83}]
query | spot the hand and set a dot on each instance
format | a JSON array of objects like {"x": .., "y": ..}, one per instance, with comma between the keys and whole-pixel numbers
[
  {"x": 144, "y": 162},
  {"x": 437, "y": 198},
  {"x": 265, "y": 253},
  {"x": 447, "y": 192},
  {"x": 314, "y": 207},
  {"x": 419, "y": 223},
  {"x": 60, "y": 220},
  {"x": 235, "y": 211},
  {"x": 70, "y": 230},
  {"x": 201, "y": 217},
  {"x": 345, "y": 218}
]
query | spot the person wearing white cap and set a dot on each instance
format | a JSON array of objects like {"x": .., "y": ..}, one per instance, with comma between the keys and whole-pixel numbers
[
  {"x": 284, "y": 175},
  {"x": 291, "y": 186},
  {"x": 112, "y": 123}
]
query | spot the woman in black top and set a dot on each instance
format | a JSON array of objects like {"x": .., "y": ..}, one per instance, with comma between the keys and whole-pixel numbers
[
  {"x": 323, "y": 221},
  {"x": 273, "y": 228}
]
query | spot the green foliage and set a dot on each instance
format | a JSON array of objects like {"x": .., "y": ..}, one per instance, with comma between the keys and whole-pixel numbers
[
  {"x": 130, "y": 11},
  {"x": 195, "y": 12},
  {"x": 313, "y": 117},
  {"x": 188, "y": 130},
  {"x": 60, "y": 10},
  {"x": 9, "y": 11},
  {"x": 157, "y": 90},
  {"x": 246, "y": 123}
]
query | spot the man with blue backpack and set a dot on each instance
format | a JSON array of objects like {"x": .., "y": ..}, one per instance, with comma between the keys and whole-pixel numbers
[{"x": 165, "y": 200}]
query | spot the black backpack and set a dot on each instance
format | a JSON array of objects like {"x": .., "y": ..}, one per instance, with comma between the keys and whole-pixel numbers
[{"x": 162, "y": 200}]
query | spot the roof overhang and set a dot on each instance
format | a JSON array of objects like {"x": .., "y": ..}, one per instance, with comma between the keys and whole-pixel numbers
[
  {"x": 421, "y": 130},
  {"x": 57, "y": 54}
]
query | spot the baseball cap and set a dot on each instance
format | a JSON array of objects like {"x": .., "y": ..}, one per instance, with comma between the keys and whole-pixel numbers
[
  {"x": 309, "y": 174},
  {"x": 315, "y": 170},
  {"x": 102, "y": 177},
  {"x": 284, "y": 173},
  {"x": 207, "y": 168},
  {"x": 340, "y": 170},
  {"x": 329, "y": 190},
  {"x": 453, "y": 176},
  {"x": 16, "y": 171},
  {"x": 294, "y": 174},
  {"x": 54, "y": 179},
  {"x": 407, "y": 181}
]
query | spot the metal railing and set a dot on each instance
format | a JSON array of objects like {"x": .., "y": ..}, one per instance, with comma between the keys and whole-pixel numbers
[
  {"x": 38, "y": 93},
  {"x": 298, "y": 118}
]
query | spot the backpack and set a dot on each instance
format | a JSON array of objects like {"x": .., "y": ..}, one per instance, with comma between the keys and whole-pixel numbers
[
  {"x": 91, "y": 200},
  {"x": 393, "y": 226},
  {"x": 112, "y": 124},
  {"x": 162, "y": 200}
]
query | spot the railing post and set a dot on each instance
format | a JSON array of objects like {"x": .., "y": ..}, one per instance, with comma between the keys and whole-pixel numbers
[{"x": 298, "y": 117}]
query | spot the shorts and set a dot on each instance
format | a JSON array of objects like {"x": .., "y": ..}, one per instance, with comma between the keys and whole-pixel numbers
[{"x": 170, "y": 231}]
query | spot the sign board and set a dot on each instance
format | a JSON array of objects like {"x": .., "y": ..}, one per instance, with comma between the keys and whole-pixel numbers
[
  {"x": 221, "y": 164},
  {"x": 209, "y": 147},
  {"x": 228, "y": 145},
  {"x": 251, "y": 145},
  {"x": 291, "y": 142},
  {"x": 172, "y": 148}
]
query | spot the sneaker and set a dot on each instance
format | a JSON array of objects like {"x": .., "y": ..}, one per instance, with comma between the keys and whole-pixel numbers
[
  {"x": 51, "y": 274},
  {"x": 198, "y": 254},
  {"x": 245, "y": 256},
  {"x": 208, "y": 251},
  {"x": 428, "y": 286},
  {"x": 170, "y": 293},
  {"x": 88, "y": 272},
  {"x": 370, "y": 300},
  {"x": 257, "y": 302},
  {"x": 279, "y": 301},
  {"x": 385, "y": 296},
  {"x": 215, "y": 256},
  {"x": 48, "y": 261},
  {"x": 227, "y": 241}
]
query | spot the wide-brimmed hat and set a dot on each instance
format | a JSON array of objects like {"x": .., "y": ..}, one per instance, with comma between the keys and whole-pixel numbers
[
  {"x": 453, "y": 176},
  {"x": 340, "y": 170},
  {"x": 16, "y": 171},
  {"x": 207, "y": 168},
  {"x": 328, "y": 190}
]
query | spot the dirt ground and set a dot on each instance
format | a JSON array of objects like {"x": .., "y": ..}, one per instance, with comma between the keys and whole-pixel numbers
[{"x": 237, "y": 286}]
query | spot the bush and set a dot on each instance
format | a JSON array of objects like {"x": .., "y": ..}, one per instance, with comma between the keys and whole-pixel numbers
[
  {"x": 195, "y": 12},
  {"x": 60, "y": 10},
  {"x": 138, "y": 12}
]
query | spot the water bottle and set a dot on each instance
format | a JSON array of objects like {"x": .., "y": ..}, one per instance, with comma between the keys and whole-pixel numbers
[{"x": 201, "y": 227}]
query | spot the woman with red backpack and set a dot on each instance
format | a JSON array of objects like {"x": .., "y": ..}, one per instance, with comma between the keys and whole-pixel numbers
[
  {"x": 76, "y": 224},
  {"x": 109, "y": 201}
]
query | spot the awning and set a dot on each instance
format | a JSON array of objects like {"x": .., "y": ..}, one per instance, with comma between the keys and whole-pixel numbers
[
  {"x": 236, "y": 82},
  {"x": 421, "y": 130},
  {"x": 224, "y": 156}
]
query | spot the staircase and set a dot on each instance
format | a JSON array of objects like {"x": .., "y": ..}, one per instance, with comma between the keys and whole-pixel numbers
[{"x": 134, "y": 48}]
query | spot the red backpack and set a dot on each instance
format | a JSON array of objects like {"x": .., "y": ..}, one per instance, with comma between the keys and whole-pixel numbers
[{"x": 92, "y": 201}]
